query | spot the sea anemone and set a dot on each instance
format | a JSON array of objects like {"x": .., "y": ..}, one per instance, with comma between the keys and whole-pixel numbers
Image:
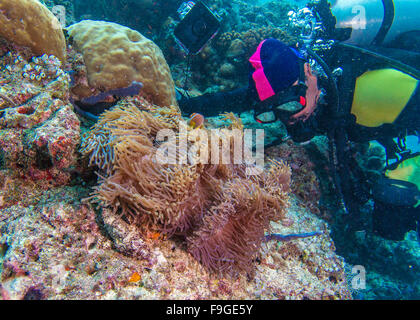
[
  {"x": 219, "y": 209},
  {"x": 232, "y": 231}
]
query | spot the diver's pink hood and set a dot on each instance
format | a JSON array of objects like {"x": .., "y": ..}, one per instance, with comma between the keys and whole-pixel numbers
[{"x": 262, "y": 84}]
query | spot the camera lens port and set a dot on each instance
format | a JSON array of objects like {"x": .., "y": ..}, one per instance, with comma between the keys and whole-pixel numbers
[{"x": 199, "y": 28}]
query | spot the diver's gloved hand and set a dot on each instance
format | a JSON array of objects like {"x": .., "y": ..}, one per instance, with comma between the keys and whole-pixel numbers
[
  {"x": 312, "y": 96},
  {"x": 184, "y": 101}
]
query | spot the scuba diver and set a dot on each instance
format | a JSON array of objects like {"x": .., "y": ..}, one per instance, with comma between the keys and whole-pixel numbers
[{"x": 374, "y": 94}]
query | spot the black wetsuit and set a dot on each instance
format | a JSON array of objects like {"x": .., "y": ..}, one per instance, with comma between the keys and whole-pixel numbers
[{"x": 213, "y": 104}]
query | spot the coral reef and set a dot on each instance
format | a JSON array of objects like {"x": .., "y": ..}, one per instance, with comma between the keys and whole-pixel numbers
[
  {"x": 392, "y": 266},
  {"x": 243, "y": 15},
  {"x": 371, "y": 157},
  {"x": 240, "y": 20},
  {"x": 249, "y": 39},
  {"x": 183, "y": 230},
  {"x": 305, "y": 183},
  {"x": 115, "y": 56},
  {"x": 52, "y": 246},
  {"x": 39, "y": 131},
  {"x": 30, "y": 24}
]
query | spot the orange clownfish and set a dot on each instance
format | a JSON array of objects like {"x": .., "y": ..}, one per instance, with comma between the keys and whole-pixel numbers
[
  {"x": 196, "y": 121},
  {"x": 135, "y": 277}
]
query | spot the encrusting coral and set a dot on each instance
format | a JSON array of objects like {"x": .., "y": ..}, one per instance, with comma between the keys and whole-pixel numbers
[
  {"x": 252, "y": 37},
  {"x": 220, "y": 210},
  {"x": 305, "y": 185},
  {"x": 39, "y": 132}
]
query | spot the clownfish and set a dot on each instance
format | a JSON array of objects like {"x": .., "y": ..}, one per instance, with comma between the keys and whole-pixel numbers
[
  {"x": 135, "y": 277},
  {"x": 196, "y": 121}
]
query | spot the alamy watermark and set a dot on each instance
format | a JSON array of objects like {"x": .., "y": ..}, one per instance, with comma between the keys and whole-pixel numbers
[
  {"x": 60, "y": 17},
  {"x": 358, "y": 281},
  {"x": 216, "y": 146},
  {"x": 359, "y": 21}
]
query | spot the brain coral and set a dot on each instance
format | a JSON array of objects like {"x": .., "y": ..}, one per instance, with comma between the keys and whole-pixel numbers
[
  {"x": 116, "y": 55},
  {"x": 30, "y": 24}
]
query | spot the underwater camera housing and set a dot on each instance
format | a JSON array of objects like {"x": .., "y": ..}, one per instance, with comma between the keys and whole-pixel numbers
[{"x": 197, "y": 27}]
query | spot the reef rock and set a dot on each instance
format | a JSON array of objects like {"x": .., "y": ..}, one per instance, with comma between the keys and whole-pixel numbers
[
  {"x": 39, "y": 131},
  {"x": 52, "y": 247}
]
